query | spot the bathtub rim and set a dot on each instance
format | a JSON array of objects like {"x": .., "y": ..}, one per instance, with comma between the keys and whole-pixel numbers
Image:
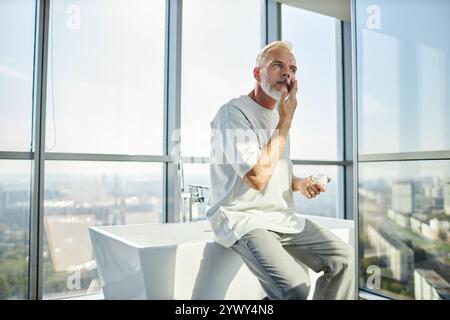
[
  {"x": 106, "y": 233},
  {"x": 124, "y": 240}
]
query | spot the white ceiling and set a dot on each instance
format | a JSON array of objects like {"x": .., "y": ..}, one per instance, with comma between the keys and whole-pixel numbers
[{"x": 340, "y": 9}]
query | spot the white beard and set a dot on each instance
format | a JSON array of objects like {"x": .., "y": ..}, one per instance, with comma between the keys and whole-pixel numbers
[{"x": 270, "y": 90}]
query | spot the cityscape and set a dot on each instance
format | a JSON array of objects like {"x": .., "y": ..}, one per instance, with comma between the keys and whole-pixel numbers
[
  {"x": 404, "y": 231},
  {"x": 71, "y": 205},
  {"x": 70, "y": 208}
]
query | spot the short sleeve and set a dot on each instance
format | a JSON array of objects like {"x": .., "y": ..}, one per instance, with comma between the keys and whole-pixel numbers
[{"x": 235, "y": 139}]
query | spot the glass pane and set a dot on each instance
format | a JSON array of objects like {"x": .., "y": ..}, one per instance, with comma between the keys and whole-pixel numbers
[
  {"x": 404, "y": 229},
  {"x": 83, "y": 194},
  {"x": 196, "y": 173},
  {"x": 15, "y": 181},
  {"x": 403, "y": 65},
  {"x": 106, "y": 77},
  {"x": 314, "y": 132},
  {"x": 220, "y": 44},
  {"x": 17, "y": 19},
  {"x": 327, "y": 203}
]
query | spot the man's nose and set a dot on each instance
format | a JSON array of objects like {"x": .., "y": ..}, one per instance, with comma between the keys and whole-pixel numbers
[{"x": 286, "y": 75}]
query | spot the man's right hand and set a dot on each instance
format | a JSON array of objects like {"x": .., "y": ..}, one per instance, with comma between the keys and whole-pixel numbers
[{"x": 287, "y": 107}]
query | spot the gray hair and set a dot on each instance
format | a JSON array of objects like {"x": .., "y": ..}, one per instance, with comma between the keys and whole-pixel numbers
[{"x": 262, "y": 54}]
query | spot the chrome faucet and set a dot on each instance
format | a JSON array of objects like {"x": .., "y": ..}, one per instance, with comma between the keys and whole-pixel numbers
[
  {"x": 193, "y": 202},
  {"x": 197, "y": 204}
]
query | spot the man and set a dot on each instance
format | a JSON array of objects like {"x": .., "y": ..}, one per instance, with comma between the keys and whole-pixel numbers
[{"x": 251, "y": 200}]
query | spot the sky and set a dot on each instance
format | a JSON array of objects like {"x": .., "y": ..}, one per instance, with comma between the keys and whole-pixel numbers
[
  {"x": 16, "y": 73},
  {"x": 105, "y": 76},
  {"x": 105, "y": 88},
  {"x": 403, "y": 76}
]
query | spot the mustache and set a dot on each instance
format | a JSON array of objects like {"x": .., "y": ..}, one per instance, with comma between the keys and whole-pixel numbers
[{"x": 284, "y": 82}]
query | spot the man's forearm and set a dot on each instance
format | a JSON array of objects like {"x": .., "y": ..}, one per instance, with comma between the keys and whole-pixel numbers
[{"x": 260, "y": 174}]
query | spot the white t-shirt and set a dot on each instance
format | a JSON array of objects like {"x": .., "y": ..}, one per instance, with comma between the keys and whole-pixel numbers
[{"x": 240, "y": 130}]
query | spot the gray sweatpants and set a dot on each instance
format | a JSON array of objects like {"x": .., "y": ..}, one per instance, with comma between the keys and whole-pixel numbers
[{"x": 273, "y": 258}]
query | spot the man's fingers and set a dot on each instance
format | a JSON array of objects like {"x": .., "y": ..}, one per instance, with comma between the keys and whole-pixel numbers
[
  {"x": 319, "y": 187},
  {"x": 312, "y": 193},
  {"x": 283, "y": 96},
  {"x": 294, "y": 89},
  {"x": 315, "y": 187},
  {"x": 306, "y": 193},
  {"x": 314, "y": 190}
]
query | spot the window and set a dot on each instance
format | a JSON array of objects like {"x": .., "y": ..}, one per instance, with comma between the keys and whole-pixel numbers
[
  {"x": 15, "y": 176},
  {"x": 105, "y": 87},
  {"x": 219, "y": 48},
  {"x": 217, "y": 65},
  {"x": 79, "y": 194},
  {"x": 16, "y": 74},
  {"x": 404, "y": 236},
  {"x": 104, "y": 160},
  {"x": 314, "y": 132},
  {"x": 17, "y": 28},
  {"x": 403, "y": 72},
  {"x": 105, "y": 95}
]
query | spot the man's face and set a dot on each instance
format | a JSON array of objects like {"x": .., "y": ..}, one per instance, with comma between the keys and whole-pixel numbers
[{"x": 278, "y": 72}]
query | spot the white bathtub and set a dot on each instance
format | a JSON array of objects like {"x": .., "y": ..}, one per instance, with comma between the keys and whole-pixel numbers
[{"x": 179, "y": 261}]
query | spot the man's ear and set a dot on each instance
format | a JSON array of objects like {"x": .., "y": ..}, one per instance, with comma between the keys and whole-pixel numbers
[{"x": 257, "y": 73}]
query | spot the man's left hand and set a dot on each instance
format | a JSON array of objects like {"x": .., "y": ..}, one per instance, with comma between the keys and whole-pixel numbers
[{"x": 309, "y": 189}]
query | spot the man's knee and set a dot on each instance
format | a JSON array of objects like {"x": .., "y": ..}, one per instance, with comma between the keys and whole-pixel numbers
[
  {"x": 341, "y": 262},
  {"x": 295, "y": 288},
  {"x": 299, "y": 292}
]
